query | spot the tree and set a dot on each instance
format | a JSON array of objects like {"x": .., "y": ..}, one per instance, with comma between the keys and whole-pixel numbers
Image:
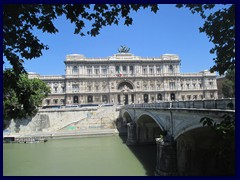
[
  {"x": 219, "y": 26},
  {"x": 225, "y": 147},
  {"x": 20, "y": 43},
  {"x": 228, "y": 85},
  {"x": 21, "y": 100}
]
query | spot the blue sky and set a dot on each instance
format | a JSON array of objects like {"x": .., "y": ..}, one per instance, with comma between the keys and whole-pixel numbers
[{"x": 171, "y": 30}]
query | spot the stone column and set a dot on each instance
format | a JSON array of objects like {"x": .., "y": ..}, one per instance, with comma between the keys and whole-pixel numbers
[
  {"x": 166, "y": 157},
  {"x": 131, "y": 129},
  {"x": 129, "y": 99}
]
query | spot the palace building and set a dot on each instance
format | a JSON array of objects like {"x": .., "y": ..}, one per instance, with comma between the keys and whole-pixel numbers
[{"x": 124, "y": 79}]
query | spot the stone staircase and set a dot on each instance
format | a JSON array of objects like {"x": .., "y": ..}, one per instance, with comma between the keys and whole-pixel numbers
[{"x": 103, "y": 118}]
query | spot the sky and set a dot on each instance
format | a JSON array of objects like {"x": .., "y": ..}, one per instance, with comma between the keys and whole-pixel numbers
[{"x": 170, "y": 31}]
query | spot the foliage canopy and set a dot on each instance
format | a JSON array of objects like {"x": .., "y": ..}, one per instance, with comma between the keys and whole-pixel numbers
[
  {"x": 228, "y": 84},
  {"x": 22, "y": 99}
]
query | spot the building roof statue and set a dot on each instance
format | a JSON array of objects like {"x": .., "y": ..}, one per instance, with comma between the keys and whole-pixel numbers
[{"x": 123, "y": 49}]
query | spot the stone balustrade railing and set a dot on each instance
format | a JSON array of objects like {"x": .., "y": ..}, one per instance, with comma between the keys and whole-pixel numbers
[{"x": 226, "y": 104}]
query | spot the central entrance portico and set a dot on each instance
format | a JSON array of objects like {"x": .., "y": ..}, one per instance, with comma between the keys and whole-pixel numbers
[{"x": 126, "y": 95}]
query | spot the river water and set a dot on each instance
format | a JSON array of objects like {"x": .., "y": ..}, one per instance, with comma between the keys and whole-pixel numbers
[{"x": 85, "y": 156}]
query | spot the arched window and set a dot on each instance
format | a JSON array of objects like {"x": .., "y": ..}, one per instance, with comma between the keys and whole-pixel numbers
[
  {"x": 75, "y": 70},
  {"x": 75, "y": 99},
  {"x": 125, "y": 85},
  {"x": 90, "y": 99},
  {"x": 145, "y": 98},
  {"x": 104, "y": 99},
  {"x": 172, "y": 96},
  {"x": 159, "y": 97}
]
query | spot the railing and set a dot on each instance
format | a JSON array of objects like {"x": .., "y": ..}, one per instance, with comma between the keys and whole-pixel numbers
[
  {"x": 62, "y": 77},
  {"x": 226, "y": 104},
  {"x": 123, "y": 75}
]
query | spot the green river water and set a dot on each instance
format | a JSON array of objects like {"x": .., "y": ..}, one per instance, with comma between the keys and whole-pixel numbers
[{"x": 86, "y": 156}]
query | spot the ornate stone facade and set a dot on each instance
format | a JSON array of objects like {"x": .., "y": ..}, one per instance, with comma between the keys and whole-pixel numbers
[{"x": 124, "y": 79}]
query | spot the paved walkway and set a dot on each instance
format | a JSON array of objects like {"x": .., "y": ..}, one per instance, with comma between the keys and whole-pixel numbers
[{"x": 67, "y": 134}]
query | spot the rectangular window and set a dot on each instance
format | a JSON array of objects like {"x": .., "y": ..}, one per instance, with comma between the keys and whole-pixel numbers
[
  {"x": 183, "y": 97},
  {"x": 55, "y": 101},
  {"x": 104, "y": 70},
  {"x": 211, "y": 95},
  {"x": 159, "y": 70},
  {"x": 96, "y": 70},
  {"x": 211, "y": 84},
  {"x": 170, "y": 69},
  {"x": 75, "y": 88},
  {"x": 104, "y": 87},
  {"x": 89, "y": 70},
  {"x": 97, "y": 88},
  {"x": 89, "y": 88},
  {"x": 145, "y": 87},
  {"x": 172, "y": 85},
  {"x": 144, "y": 69},
  {"x": 124, "y": 69},
  {"x": 152, "y": 86},
  {"x": 48, "y": 101},
  {"x": 151, "y": 69},
  {"x": 131, "y": 69},
  {"x": 75, "y": 70}
]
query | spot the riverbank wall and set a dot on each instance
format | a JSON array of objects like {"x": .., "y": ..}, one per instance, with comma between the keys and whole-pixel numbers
[{"x": 67, "y": 122}]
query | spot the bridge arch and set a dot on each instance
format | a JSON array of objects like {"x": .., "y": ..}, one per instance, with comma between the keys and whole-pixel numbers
[
  {"x": 148, "y": 128},
  {"x": 125, "y": 117},
  {"x": 152, "y": 116},
  {"x": 196, "y": 152}
]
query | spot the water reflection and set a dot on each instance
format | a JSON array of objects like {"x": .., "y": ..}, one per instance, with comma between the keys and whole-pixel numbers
[
  {"x": 146, "y": 154},
  {"x": 98, "y": 156}
]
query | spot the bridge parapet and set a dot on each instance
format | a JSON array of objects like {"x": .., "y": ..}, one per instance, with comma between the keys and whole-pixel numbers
[{"x": 226, "y": 104}]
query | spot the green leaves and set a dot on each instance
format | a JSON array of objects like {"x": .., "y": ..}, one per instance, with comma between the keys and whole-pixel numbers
[
  {"x": 21, "y": 95},
  {"x": 224, "y": 146},
  {"x": 154, "y": 8},
  {"x": 228, "y": 84},
  {"x": 225, "y": 129},
  {"x": 207, "y": 121}
]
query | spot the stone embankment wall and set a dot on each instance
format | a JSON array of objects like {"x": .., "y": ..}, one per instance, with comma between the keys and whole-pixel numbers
[{"x": 69, "y": 119}]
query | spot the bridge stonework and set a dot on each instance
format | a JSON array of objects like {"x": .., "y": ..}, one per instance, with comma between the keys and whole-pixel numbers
[{"x": 182, "y": 141}]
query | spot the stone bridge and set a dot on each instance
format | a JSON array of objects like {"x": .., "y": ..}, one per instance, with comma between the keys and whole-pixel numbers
[{"x": 184, "y": 145}]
